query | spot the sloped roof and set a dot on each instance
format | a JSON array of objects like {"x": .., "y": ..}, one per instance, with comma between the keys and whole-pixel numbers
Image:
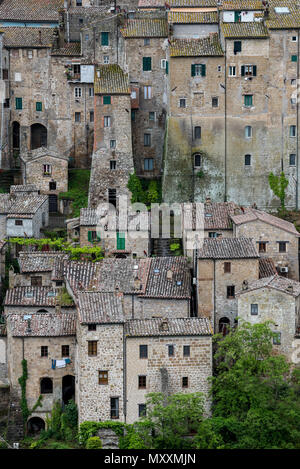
[
  {"x": 276, "y": 282},
  {"x": 289, "y": 20},
  {"x": 228, "y": 248},
  {"x": 23, "y": 188},
  {"x": 112, "y": 80},
  {"x": 192, "y": 3},
  {"x": 28, "y": 37},
  {"x": 26, "y": 205},
  {"x": 69, "y": 49},
  {"x": 168, "y": 327},
  {"x": 145, "y": 27},
  {"x": 181, "y": 17},
  {"x": 43, "y": 325},
  {"x": 31, "y": 10},
  {"x": 39, "y": 261},
  {"x": 266, "y": 267},
  {"x": 120, "y": 274},
  {"x": 6, "y": 202},
  {"x": 242, "y": 5},
  {"x": 79, "y": 275},
  {"x": 254, "y": 30},
  {"x": 31, "y": 296},
  {"x": 100, "y": 307},
  {"x": 208, "y": 46},
  {"x": 251, "y": 214}
]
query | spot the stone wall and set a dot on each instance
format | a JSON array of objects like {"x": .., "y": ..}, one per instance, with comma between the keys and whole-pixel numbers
[{"x": 59, "y": 174}]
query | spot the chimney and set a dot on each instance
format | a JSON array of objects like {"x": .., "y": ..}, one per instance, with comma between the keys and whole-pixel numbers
[
  {"x": 208, "y": 200},
  {"x": 40, "y": 36},
  {"x": 164, "y": 325},
  {"x": 290, "y": 288},
  {"x": 170, "y": 275},
  {"x": 245, "y": 285}
]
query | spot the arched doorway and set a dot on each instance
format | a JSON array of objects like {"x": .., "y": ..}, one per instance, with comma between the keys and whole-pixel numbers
[
  {"x": 38, "y": 136},
  {"x": 46, "y": 386},
  {"x": 35, "y": 425},
  {"x": 68, "y": 388},
  {"x": 224, "y": 325}
]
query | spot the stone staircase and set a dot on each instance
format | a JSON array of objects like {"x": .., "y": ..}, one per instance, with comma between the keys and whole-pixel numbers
[
  {"x": 161, "y": 247},
  {"x": 15, "y": 427}
]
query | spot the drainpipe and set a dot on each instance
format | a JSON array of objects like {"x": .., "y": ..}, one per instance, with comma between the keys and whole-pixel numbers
[
  {"x": 297, "y": 149},
  {"x": 214, "y": 286},
  {"x": 2, "y": 101},
  {"x": 124, "y": 376},
  {"x": 225, "y": 136},
  {"x": 68, "y": 26}
]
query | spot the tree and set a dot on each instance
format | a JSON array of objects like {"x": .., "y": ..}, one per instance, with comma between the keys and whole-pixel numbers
[
  {"x": 278, "y": 185},
  {"x": 136, "y": 189},
  {"x": 94, "y": 442}
]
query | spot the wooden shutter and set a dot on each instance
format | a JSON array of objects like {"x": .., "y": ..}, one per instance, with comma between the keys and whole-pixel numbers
[
  {"x": 243, "y": 70},
  {"x": 193, "y": 70},
  {"x": 254, "y": 70},
  {"x": 104, "y": 39},
  {"x": 167, "y": 67},
  {"x": 90, "y": 236},
  {"x": 120, "y": 241},
  {"x": 203, "y": 70}
]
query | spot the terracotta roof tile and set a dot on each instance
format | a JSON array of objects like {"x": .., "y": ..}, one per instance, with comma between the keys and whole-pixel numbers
[
  {"x": 28, "y": 37},
  {"x": 208, "y": 46},
  {"x": 31, "y": 296},
  {"x": 251, "y": 214},
  {"x": 69, "y": 49},
  {"x": 24, "y": 188},
  {"x": 42, "y": 325},
  {"x": 290, "y": 20},
  {"x": 242, "y": 5},
  {"x": 228, "y": 248},
  {"x": 26, "y": 205},
  {"x": 100, "y": 307},
  {"x": 210, "y": 17},
  {"x": 245, "y": 30},
  {"x": 276, "y": 282},
  {"x": 168, "y": 327},
  {"x": 266, "y": 267},
  {"x": 39, "y": 261},
  {"x": 31, "y": 10},
  {"x": 145, "y": 27},
  {"x": 112, "y": 80}
]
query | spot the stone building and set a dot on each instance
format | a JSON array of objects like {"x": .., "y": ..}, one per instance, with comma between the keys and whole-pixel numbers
[
  {"x": 224, "y": 265},
  {"x": 44, "y": 269},
  {"x": 26, "y": 216},
  {"x": 274, "y": 299}
]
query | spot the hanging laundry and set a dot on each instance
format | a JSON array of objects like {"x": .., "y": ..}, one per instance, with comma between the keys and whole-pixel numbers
[
  {"x": 53, "y": 364},
  {"x": 60, "y": 363},
  {"x": 67, "y": 360}
]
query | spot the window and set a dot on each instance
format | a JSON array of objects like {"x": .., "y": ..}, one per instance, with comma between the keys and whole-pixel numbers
[
  {"x": 262, "y": 246},
  {"x": 120, "y": 241},
  {"x": 104, "y": 39},
  {"x": 47, "y": 168},
  {"x": 182, "y": 102},
  {"x": 293, "y": 100},
  {"x": 76, "y": 69},
  {"x": 163, "y": 64},
  {"x": 185, "y": 382},
  {"x": 237, "y": 47},
  {"x": 294, "y": 58},
  {"x": 292, "y": 131},
  {"x": 293, "y": 82},
  {"x": 294, "y": 38},
  {"x": 277, "y": 338},
  {"x": 198, "y": 70},
  {"x": 292, "y": 159},
  {"x": 52, "y": 186},
  {"x": 19, "y": 222},
  {"x": 5, "y": 74},
  {"x": 44, "y": 351},
  {"x": 147, "y": 64},
  {"x": 19, "y": 104},
  {"x": 151, "y": 116},
  {"x": 77, "y": 92},
  {"x": 106, "y": 59},
  {"x": 78, "y": 3},
  {"x": 142, "y": 410},
  {"x": 38, "y": 106},
  {"x": 112, "y": 197},
  {"x": 215, "y": 102},
  {"x": 30, "y": 54},
  {"x": 142, "y": 382},
  {"x": 92, "y": 327},
  {"x": 147, "y": 41},
  {"x": 254, "y": 309},
  {"x": 227, "y": 267},
  {"x": 171, "y": 350},
  {"x": 232, "y": 71},
  {"x": 248, "y": 70},
  {"x": 103, "y": 377},
  {"x": 248, "y": 100},
  {"x": 147, "y": 92},
  {"x": 231, "y": 292},
  {"x": 148, "y": 164},
  {"x": 92, "y": 348},
  {"x": 186, "y": 350},
  {"x": 46, "y": 386},
  {"x": 112, "y": 144},
  {"x": 282, "y": 246},
  {"x": 197, "y": 132},
  {"x": 114, "y": 407},
  {"x": 248, "y": 131},
  {"x": 212, "y": 234},
  {"x": 91, "y": 92},
  {"x": 106, "y": 99},
  {"x": 147, "y": 140},
  {"x": 77, "y": 116},
  {"x": 106, "y": 121},
  {"x": 36, "y": 281},
  {"x": 112, "y": 164},
  {"x": 197, "y": 160},
  {"x": 80, "y": 21},
  {"x": 92, "y": 116},
  {"x": 247, "y": 160},
  {"x": 219, "y": 68},
  {"x": 65, "y": 351},
  {"x": 143, "y": 351},
  {"x": 93, "y": 236}
]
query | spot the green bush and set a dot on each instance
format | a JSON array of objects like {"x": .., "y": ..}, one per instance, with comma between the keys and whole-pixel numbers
[
  {"x": 94, "y": 442},
  {"x": 57, "y": 445}
]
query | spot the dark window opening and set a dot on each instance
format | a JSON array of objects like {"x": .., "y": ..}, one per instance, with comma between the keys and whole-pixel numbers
[
  {"x": 185, "y": 382},
  {"x": 46, "y": 386},
  {"x": 186, "y": 351},
  {"x": 142, "y": 382},
  {"x": 114, "y": 407},
  {"x": 231, "y": 292},
  {"x": 44, "y": 351},
  {"x": 143, "y": 351}
]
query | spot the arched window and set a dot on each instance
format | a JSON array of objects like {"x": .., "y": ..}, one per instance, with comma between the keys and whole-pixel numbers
[
  {"x": 35, "y": 425},
  {"x": 38, "y": 136},
  {"x": 42, "y": 311},
  {"x": 197, "y": 160},
  {"x": 248, "y": 131},
  {"x": 46, "y": 386},
  {"x": 224, "y": 325}
]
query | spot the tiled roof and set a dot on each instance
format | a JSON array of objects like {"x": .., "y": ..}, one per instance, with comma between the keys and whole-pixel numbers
[
  {"x": 30, "y": 296},
  {"x": 39, "y": 261},
  {"x": 251, "y": 214},
  {"x": 208, "y": 46},
  {"x": 26, "y": 205},
  {"x": 266, "y": 267},
  {"x": 289, "y": 20},
  {"x": 242, "y": 5},
  {"x": 43, "y": 325},
  {"x": 30, "y": 10},
  {"x": 276, "y": 282},
  {"x": 168, "y": 327},
  {"x": 228, "y": 248},
  {"x": 112, "y": 80},
  {"x": 72, "y": 48},
  {"x": 216, "y": 215},
  {"x": 145, "y": 27},
  {"x": 28, "y": 37},
  {"x": 125, "y": 275},
  {"x": 160, "y": 286},
  {"x": 92, "y": 217},
  {"x": 151, "y": 3},
  {"x": 24, "y": 188},
  {"x": 254, "y": 30},
  {"x": 6, "y": 202},
  {"x": 80, "y": 274},
  {"x": 196, "y": 17},
  {"x": 2, "y": 330},
  {"x": 192, "y": 3},
  {"x": 100, "y": 307}
]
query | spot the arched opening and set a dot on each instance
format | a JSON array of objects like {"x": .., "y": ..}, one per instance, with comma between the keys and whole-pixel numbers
[
  {"x": 35, "y": 425},
  {"x": 46, "y": 386},
  {"x": 224, "y": 325},
  {"x": 121, "y": 256},
  {"x": 42, "y": 311},
  {"x": 38, "y": 136},
  {"x": 16, "y": 136},
  {"x": 68, "y": 388}
]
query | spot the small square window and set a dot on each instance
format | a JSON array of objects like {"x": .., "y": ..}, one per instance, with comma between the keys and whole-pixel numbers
[
  {"x": 112, "y": 144},
  {"x": 92, "y": 327},
  {"x": 282, "y": 246},
  {"x": 112, "y": 165},
  {"x": 237, "y": 47},
  {"x": 215, "y": 102},
  {"x": 65, "y": 351},
  {"x": 148, "y": 164},
  {"x": 277, "y": 338},
  {"x": 106, "y": 59},
  {"x": 142, "y": 382},
  {"x": 52, "y": 186},
  {"x": 142, "y": 410},
  {"x": 103, "y": 377},
  {"x": 147, "y": 65},
  {"x": 294, "y": 39},
  {"x": 262, "y": 246},
  {"x": 186, "y": 350},
  {"x": 294, "y": 58},
  {"x": 44, "y": 351},
  {"x": 182, "y": 102},
  {"x": 292, "y": 159},
  {"x": 185, "y": 382},
  {"x": 80, "y": 21},
  {"x": 143, "y": 351},
  {"x": 254, "y": 309},
  {"x": 293, "y": 82},
  {"x": 248, "y": 100},
  {"x": 212, "y": 234},
  {"x": 106, "y": 100},
  {"x": 77, "y": 92},
  {"x": 18, "y": 222},
  {"x": 147, "y": 41},
  {"x": 47, "y": 169},
  {"x": 171, "y": 350}
]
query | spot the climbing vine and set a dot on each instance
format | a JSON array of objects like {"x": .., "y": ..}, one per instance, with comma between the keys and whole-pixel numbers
[{"x": 26, "y": 412}]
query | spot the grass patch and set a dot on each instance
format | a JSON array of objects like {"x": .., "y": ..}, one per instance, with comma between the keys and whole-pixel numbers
[{"x": 79, "y": 180}]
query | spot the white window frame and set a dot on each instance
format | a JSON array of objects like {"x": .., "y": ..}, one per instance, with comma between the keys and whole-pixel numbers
[
  {"x": 147, "y": 92},
  {"x": 77, "y": 92},
  {"x": 232, "y": 68},
  {"x": 163, "y": 64},
  {"x": 106, "y": 59},
  {"x": 107, "y": 121},
  {"x": 247, "y": 133}
]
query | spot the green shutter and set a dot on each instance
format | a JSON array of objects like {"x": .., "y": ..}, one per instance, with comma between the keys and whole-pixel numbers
[
  {"x": 90, "y": 236},
  {"x": 104, "y": 39},
  {"x": 98, "y": 235},
  {"x": 146, "y": 64},
  {"x": 106, "y": 100},
  {"x": 120, "y": 241},
  {"x": 167, "y": 67},
  {"x": 19, "y": 104},
  {"x": 254, "y": 70},
  {"x": 38, "y": 106},
  {"x": 203, "y": 70},
  {"x": 294, "y": 58},
  {"x": 193, "y": 70},
  {"x": 243, "y": 70}
]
